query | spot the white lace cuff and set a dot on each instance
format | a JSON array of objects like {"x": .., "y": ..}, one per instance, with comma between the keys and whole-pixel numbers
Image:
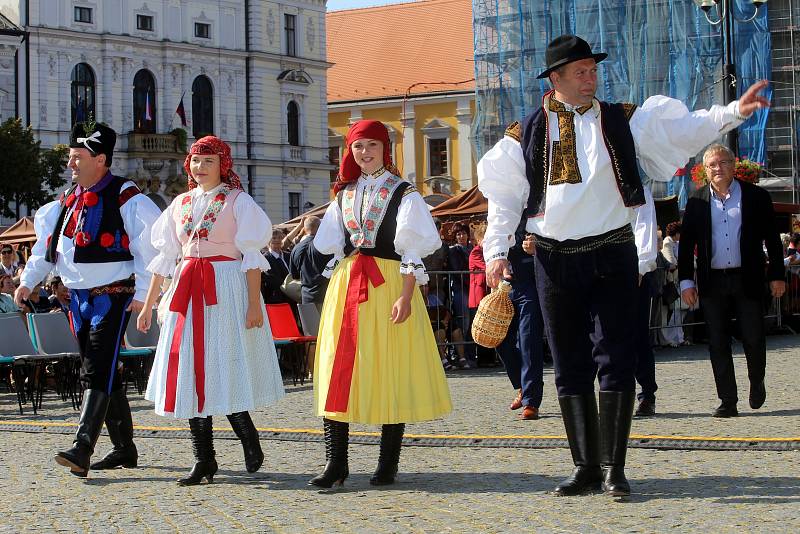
[
  {"x": 413, "y": 265},
  {"x": 254, "y": 259},
  {"x": 327, "y": 272},
  {"x": 162, "y": 265}
]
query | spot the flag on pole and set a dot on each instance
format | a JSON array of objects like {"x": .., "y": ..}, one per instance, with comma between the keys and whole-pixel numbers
[
  {"x": 148, "y": 116},
  {"x": 181, "y": 112}
]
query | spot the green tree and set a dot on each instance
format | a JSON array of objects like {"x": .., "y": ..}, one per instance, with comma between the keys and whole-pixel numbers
[{"x": 30, "y": 175}]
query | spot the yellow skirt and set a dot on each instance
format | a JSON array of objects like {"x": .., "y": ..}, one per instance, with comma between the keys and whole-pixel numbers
[{"x": 397, "y": 374}]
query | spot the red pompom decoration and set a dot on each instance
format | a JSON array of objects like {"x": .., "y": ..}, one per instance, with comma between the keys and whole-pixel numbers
[
  {"x": 90, "y": 199},
  {"x": 125, "y": 241},
  {"x": 106, "y": 239},
  {"x": 70, "y": 200},
  {"x": 82, "y": 239}
]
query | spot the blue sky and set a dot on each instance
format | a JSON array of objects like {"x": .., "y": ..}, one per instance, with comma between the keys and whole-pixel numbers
[{"x": 336, "y": 5}]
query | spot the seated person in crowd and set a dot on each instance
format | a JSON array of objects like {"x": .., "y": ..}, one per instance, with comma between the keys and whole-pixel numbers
[
  {"x": 272, "y": 280},
  {"x": 59, "y": 295},
  {"x": 6, "y": 295},
  {"x": 445, "y": 330},
  {"x": 38, "y": 302}
]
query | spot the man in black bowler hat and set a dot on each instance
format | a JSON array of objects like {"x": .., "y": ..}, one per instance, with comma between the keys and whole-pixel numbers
[
  {"x": 570, "y": 170},
  {"x": 96, "y": 236}
]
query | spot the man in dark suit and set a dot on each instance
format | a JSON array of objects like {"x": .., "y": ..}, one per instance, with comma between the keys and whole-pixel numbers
[
  {"x": 307, "y": 264},
  {"x": 278, "y": 269},
  {"x": 728, "y": 222}
]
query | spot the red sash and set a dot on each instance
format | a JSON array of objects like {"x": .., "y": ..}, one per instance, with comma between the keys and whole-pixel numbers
[
  {"x": 363, "y": 271},
  {"x": 196, "y": 285}
]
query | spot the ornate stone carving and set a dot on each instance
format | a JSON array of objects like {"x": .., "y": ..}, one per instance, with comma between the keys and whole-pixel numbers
[
  {"x": 311, "y": 33},
  {"x": 51, "y": 62},
  {"x": 115, "y": 70},
  {"x": 270, "y": 26},
  {"x": 43, "y": 113}
]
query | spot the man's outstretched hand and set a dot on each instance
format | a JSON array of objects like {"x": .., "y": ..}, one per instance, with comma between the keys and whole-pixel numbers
[{"x": 751, "y": 101}]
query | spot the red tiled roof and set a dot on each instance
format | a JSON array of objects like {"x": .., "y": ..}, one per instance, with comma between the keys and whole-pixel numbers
[{"x": 383, "y": 51}]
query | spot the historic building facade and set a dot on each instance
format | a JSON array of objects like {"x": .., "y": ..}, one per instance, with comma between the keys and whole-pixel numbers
[{"x": 251, "y": 72}]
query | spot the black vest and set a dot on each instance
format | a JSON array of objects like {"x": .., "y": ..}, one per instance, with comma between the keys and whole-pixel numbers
[
  {"x": 108, "y": 241},
  {"x": 619, "y": 142},
  {"x": 384, "y": 240}
]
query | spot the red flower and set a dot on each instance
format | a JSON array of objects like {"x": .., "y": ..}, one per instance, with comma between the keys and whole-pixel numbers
[
  {"x": 90, "y": 199},
  {"x": 202, "y": 232},
  {"x": 186, "y": 200},
  {"x": 220, "y": 197},
  {"x": 82, "y": 239},
  {"x": 106, "y": 239},
  {"x": 71, "y": 200},
  {"x": 352, "y": 224},
  {"x": 125, "y": 241},
  {"x": 370, "y": 224},
  {"x": 383, "y": 193}
]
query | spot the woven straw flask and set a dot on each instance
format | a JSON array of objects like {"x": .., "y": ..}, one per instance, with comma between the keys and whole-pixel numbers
[{"x": 494, "y": 314}]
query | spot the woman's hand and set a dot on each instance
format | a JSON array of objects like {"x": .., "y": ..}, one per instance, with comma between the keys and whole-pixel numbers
[
  {"x": 255, "y": 317},
  {"x": 144, "y": 319},
  {"x": 401, "y": 309}
]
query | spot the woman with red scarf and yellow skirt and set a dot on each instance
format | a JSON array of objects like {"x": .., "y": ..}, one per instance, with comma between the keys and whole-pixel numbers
[
  {"x": 215, "y": 354},
  {"x": 376, "y": 360}
]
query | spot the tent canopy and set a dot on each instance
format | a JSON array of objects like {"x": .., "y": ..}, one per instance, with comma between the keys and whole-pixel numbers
[{"x": 20, "y": 232}]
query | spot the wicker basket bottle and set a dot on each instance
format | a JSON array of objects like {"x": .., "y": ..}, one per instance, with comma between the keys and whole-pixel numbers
[{"x": 493, "y": 316}]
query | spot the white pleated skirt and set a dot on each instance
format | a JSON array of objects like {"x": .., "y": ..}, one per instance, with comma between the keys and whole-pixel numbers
[{"x": 241, "y": 365}]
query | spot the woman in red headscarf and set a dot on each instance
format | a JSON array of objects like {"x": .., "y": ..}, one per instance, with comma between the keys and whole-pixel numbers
[
  {"x": 215, "y": 353},
  {"x": 377, "y": 360}
]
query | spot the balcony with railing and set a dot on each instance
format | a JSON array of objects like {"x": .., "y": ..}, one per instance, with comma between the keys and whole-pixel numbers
[
  {"x": 153, "y": 144},
  {"x": 294, "y": 153}
]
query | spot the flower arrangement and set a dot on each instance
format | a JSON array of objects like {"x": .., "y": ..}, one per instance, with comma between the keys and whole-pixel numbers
[{"x": 745, "y": 170}]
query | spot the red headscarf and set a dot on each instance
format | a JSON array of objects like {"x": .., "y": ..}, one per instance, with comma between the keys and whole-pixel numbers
[
  {"x": 210, "y": 145},
  {"x": 349, "y": 171}
]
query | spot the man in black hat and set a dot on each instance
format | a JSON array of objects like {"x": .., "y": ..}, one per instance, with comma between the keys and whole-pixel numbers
[
  {"x": 97, "y": 238},
  {"x": 570, "y": 169}
]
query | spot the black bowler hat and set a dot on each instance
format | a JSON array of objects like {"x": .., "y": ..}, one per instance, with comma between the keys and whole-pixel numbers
[
  {"x": 566, "y": 49},
  {"x": 95, "y": 137}
]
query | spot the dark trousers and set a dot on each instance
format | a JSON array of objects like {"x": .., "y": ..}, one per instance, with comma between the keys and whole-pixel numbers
[
  {"x": 588, "y": 304},
  {"x": 722, "y": 298},
  {"x": 99, "y": 323},
  {"x": 645, "y": 360},
  {"x": 522, "y": 351}
]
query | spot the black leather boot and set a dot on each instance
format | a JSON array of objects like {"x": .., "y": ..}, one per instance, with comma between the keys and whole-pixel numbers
[
  {"x": 580, "y": 421},
  {"x": 120, "y": 430},
  {"x": 93, "y": 412},
  {"x": 203, "y": 447},
  {"x": 246, "y": 431},
  {"x": 337, "y": 435},
  {"x": 391, "y": 443},
  {"x": 616, "y": 412}
]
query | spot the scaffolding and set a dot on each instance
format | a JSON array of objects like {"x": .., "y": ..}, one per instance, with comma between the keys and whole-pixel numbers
[{"x": 654, "y": 47}]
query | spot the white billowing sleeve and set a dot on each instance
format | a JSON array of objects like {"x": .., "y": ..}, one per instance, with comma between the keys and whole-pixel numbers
[
  {"x": 645, "y": 234},
  {"x": 502, "y": 180},
  {"x": 667, "y": 134},
  {"x": 416, "y": 236},
  {"x": 253, "y": 232},
  {"x": 164, "y": 239},
  {"x": 330, "y": 237},
  {"x": 44, "y": 223},
  {"x": 139, "y": 214}
]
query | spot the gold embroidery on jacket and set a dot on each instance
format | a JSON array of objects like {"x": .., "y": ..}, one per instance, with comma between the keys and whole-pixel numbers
[
  {"x": 628, "y": 109},
  {"x": 514, "y": 131},
  {"x": 564, "y": 161}
]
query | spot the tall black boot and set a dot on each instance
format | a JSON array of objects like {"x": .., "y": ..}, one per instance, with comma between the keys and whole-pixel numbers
[
  {"x": 391, "y": 443},
  {"x": 336, "y": 470},
  {"x": 203, "y": 447},
  {"x": 246, "y": 431},
  {"x": 93, "y": 412},
  {"x": 616, "y": 412},
  {"x": 580, "y": 421},
  {"x": 120, "y": 429}
]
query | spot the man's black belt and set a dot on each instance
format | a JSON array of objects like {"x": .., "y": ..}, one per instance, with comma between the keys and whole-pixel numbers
[
  {"x": 728, "y": 271},
  {"x": 586, "y": 244},
  {"x": 120, "y": 287}
]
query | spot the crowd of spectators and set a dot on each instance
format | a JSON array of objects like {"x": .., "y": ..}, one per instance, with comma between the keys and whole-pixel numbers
[{"x": 52, "y": 296}]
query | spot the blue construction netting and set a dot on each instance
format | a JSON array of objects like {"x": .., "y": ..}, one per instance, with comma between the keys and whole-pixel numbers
[{"x": 655, "y": 47}]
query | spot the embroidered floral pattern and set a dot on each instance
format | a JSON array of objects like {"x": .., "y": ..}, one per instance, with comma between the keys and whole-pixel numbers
[
  {"x": 209, "y": 217},
  {"x": 364, "y": 235}
]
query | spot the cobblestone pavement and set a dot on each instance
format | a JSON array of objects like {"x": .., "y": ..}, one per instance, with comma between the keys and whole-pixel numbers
[{"x": 439, "y": 488}]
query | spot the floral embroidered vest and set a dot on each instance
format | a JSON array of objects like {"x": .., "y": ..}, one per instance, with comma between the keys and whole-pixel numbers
[
  {"x": 214, "y": 234},
  {"x": 374, "y": 234}
]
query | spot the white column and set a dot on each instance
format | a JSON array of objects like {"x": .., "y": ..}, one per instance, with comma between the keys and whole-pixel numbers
[
  {"x": 408, "y": 121},
  {"x": 464, "y": 115}
]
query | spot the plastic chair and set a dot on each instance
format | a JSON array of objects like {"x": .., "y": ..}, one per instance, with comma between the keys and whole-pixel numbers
[
  {"x": 54, "y": 338},
  {"x": 309, "y": 318},
  {"x": 284, "y": 329}
]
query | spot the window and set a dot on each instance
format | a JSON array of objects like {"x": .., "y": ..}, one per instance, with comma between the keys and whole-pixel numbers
[
  {"x": 202, "y": 107},
  {"x": 83, "y": 14},
  {"x": 82, "y": 93},
  {"x": 437, "y": 156},
  {"x": 293, "y": 123},
  {"x": 294, "y": 205},
  {"x": 202, "y": 30},
  {"x": 333, "y": 158},
  {"x": 144, "y": 22},
  {"x": 291, "y": 40},
  {"x": 144, "y": 102}
]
